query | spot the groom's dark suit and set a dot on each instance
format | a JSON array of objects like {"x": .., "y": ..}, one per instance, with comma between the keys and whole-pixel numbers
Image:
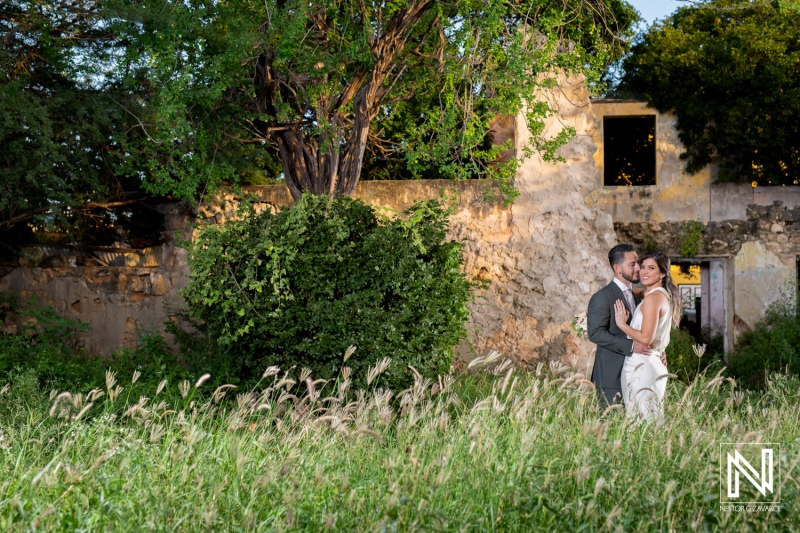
[{"x": 612, "y": 344}]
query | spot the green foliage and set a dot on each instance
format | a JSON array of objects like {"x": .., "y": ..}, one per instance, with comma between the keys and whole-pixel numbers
[
  {"x": 151, "y": 359},
  {"x": 301, "y": 80},
  {"x": 60, "y": 132},
  {"x": 479, "y": 451},
  {"x": 772, "y": 346},
  {"x": 650, "y": 244},
  {"x": 728, "y": 70},
  {"x": 301, "y": 286},
  {"x": 45, "y": 346},
  {"x": 683, "y": 361},
  {"x": 74, "y": 129},
  {"x": 690, "y": 240}
]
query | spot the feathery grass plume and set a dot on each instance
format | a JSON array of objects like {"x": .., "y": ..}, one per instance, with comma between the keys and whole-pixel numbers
[
  {"x": 136, "y": 376},
  {"x": 499, "y": 369},
  {"x": 202, "y": 379},
  {"x": 271, "y": 371},
  {"x": 738, "y": 398},
  {"x": 599, "y": 485},
  {"x": 505, "y": 381},
  {"x": 161, "y": 385},
  {"x": 114, "y": 393},
  {"x": 350, "y": 351},
  {"x": 245, "y": 399},
  {"x": 82, "y": 412},
  {"x": 220, "y": 392},
  {"x": 375, "y": 371},
  {"x": 557, "y": 368},
  {"x": 63, "y": 396},
  {"x": 183, "y": 388},
  {"x": 311, "y": 394},
  {"x": 5, "y": 389},
  {"x": 285, "y": 382},
  {"x": 94, "y": 394},
  {"x": 111, "y": 379},
  {"x": 699, "y": 349},
  {"x": 366, "y": 431},
  {"x": 156, "y": 432}
]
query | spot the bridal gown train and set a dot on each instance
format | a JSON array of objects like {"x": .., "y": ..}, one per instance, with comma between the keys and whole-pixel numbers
[{"x": 643, "y": 378}]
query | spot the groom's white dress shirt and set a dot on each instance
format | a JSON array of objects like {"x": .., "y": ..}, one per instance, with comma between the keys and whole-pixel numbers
[{"x": 627, "y": 290}]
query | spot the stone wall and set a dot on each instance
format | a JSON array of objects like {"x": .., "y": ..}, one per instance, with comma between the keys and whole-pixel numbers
[
  {"x": 544, "y": 255},
  {"x": 120, "y": 295},
  {"x": 676, "y": 196},
  {"x": 764, "y": 248}
]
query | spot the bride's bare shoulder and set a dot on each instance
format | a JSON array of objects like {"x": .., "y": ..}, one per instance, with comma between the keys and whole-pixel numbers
[{"x": 655, "y": 298}]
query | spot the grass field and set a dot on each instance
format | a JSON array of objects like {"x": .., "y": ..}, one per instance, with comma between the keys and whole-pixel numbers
[{"x": 493, "y": 449}]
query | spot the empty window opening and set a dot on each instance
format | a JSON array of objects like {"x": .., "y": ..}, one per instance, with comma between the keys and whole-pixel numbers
[{"x": 629, "y": 145}]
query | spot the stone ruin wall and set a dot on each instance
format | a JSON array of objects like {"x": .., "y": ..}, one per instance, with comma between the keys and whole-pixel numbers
[
  {"x": 764, "y": 248},
  {"x": 544, "y": 255}
]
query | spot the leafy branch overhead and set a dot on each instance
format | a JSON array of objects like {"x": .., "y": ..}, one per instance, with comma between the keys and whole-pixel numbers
[
  {"x": 332, "y": 86},
  {"x": 729, "y": 71},
  {"x": 108, "y": 102}
]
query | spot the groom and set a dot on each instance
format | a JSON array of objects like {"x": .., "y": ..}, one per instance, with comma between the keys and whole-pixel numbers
[{"x": 613, "y": 346}]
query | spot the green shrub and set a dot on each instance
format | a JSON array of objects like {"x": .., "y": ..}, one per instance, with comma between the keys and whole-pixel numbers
[
  {"x": 151, "y": 358},
  {"x": 301, "y": 286},
  {"x": 683, "y": 361},
  {"x": 46, "y": 344},
  {"x": 772, "y": 346}
]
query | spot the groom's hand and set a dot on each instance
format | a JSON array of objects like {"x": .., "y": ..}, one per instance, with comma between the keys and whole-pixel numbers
[
  {"x": 643, "y": 349},
  {"x": 664, "y": 358}
]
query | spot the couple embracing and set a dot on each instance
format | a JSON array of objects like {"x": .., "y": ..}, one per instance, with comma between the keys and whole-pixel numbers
[{"x": 630, "y": 327}]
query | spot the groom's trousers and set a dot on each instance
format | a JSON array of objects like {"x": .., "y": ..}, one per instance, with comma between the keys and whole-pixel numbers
[{"x": 606, "y": 397}]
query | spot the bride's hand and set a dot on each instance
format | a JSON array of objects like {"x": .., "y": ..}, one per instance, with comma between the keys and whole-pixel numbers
[{"x": 620, "y": 313}]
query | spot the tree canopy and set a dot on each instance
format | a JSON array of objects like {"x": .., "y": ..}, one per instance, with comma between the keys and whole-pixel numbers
[
  {"x": 729, "y": 70},
  {"x": 322, "y": 84},
  {"x": 57, "y": 133},
  {"x": 104, "y": 103}
]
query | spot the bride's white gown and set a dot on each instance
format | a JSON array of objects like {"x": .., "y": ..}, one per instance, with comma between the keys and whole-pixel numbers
[{"x": 643, "y": 377}]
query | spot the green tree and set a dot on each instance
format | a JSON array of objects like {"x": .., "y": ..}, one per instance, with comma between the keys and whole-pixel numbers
[
  {"x": 729, "y": 71},
  {"x": 72, "y": 120},
  {"x": 56, "y": 130},
  {"x": 300, "y": 286},
  {"x": 322, "y": 83}
]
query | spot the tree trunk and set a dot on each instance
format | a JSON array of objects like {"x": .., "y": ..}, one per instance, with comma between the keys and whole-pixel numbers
[{"x": 331, "y": 162}]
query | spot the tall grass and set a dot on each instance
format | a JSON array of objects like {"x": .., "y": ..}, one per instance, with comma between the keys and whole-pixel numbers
[{"x": 496, "y": 449}]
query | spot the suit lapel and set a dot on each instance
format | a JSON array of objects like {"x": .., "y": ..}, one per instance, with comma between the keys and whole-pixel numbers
[{"x": 620, "y": 296}]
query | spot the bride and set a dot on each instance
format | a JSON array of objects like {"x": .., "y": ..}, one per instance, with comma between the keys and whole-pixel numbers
[{"x": 644, "y": 379}]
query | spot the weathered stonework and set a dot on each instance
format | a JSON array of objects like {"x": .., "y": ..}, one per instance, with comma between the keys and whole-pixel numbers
[
  {"x": 119, "y": 294},
  {"x": 764, "y": 248},
  {"x": 544, "y": 256}
]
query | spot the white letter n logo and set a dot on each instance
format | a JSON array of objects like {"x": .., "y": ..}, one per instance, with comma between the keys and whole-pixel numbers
[{"x": 746, "y": 469}]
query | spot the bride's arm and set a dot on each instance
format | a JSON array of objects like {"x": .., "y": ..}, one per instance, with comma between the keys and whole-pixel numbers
[{"x": 650, "y": 308}]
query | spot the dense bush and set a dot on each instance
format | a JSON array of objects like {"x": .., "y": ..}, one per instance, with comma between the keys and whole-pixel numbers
[
  {"x": 298, "y": 287},
  {"x": 46, "y": 346},
  {"x": 682, "y": 359},
  {"x": 772, "y": 346}
]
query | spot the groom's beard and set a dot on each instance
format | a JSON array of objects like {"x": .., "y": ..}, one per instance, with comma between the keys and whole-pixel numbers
[{"x": 633, "y": 278}]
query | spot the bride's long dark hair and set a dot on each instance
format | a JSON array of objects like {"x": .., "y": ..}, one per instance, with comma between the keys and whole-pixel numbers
[{"x": 663, "y": 263}]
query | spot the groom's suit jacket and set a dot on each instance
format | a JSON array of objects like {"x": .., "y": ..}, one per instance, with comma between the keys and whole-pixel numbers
[{"x": 612, "y": 344}]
